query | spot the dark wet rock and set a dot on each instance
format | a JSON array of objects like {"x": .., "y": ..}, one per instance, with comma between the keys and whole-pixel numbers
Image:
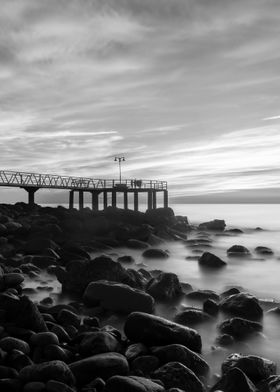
[
  {"x": 154, "y": 330},
  {"x": 55, "y": 352},
  {"x": 215, "y": 225},
  {"x": 177, "y": 375},
  {"x": 154, "y": 253},
  {"x": 42, "y": 262},
  {"x": 211, "y": 307},
  {"x": 12, "y": 279},
  {"x": 230, "y": 291},
  {"x": 238, "y": 250},
  {"x": 118, "y": 297},
  {"x": 186, "y": 287},
  {"x": 144, "y": 365},
  {"x": 100, "y": 365},
  {"x": 256, "y": 368},
  {"x": 132, "y": 384},
  {"x": 7, "y": 372},
  {"x": 135, "y": 350},
  {"x": 239, "y": 328},
  {"x": 136, "y": 244},
  {"x": 10, "y": 343},
  {"x": 44, "y": 339},
  {"x": 165, "y": 286},
  {"x": 160, "y": 216},
  {"x": 10, "y": 385},
  {"x": 235, "y": 231},
  {"x": 210, "y": 260},
  {"x": 196, "y": 258},
  {"x": 56, "y": 386},
  {"x": 192, "y": 316},
  {"x": 66, "y": 317},
  {"x": 263, "y": 250},
  {"x": 38, "y": 245},
  {"x": 180, "y": 353},
  {"x": 99, "y": 342},
  {"x": 62, "y": 335},
  {"x": 202, "y": 295},
  {"x": 270, "y": 384},
  {"x": 78, "y": 274},
  {"x": 52, "y": 370},
  {"x": 47, "y": 301},
  {"x": 243, "y": 305},
  {"x": 234, "y": 381},
  {"x": 126, "y": 259},
  {"x": 225, "y": 340}
]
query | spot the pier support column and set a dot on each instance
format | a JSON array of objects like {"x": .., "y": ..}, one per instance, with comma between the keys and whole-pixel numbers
[
  {"x": 94, "y": 201},
  {"x": 154, "y": 200},
  {"x": 136, "y": 204},
  {"x": 165, "y": 199},
  {"x": 125, "y": 201},
  {"x": 114, "y": 199},
  {"x": 81, "y": 200},
  {"x": 105, "y": 199},
  {"x": 71, "y": 200},
  {"x": 150, "y": 199},
  {"x": 31, "y": 192}
]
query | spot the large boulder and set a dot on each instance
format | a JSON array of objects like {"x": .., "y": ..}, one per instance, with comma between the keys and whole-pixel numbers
[
  {"x": 52, "y": 370},
  {"x": 192, "y": 316},
  {"x": 155, "y": 253},
  {"x": 160, "y": 216},
  {"x": 234, "y": 381},
  {"x": 79, "y": 273},
  {"x": 215, "y": 225},
  {"x": 132, "y": 384},
  {"x": 180, "y": 353},
  {"x": 264, "y": 250},
  {"x": 210, "y": 260},
  {"x": 238, "y": 250},
  {"x": 256, "y": 368},
  {"x": 177, "y": 375},
  {"x": 239, "y": 328},
  {"x": 165, "y": 286},
  {"x": 101, "y": 365},
  {"x": 117, "y": 297},
  {"x": 243, "y": 305},
  {"x": 153, "y": 330}
]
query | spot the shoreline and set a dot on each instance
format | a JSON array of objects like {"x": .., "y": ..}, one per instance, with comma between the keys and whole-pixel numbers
[{"x": 65, "y": 244}]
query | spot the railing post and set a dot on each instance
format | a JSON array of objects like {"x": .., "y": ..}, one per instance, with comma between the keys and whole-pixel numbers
[
  {"x": 125, "y": 200},
  {"x": 165, "y": 199},
  {"x": 81, "y": 200},
  {"x": 94, "y": 200},
  {"x": 150, "y": 199},
  {"x": 154, "y": 200},
  {"x": 105, "y": 199},
  {"x": 114, "y": 198},
  {"x": 136, "y": 205}
]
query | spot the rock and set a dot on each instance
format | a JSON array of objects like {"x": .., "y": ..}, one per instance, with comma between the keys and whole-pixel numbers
[
  {"x": 202, "y": 295},
  {"x": 132, "y": 384},
  {"x": 18, "y": 360},
  {"x": 44, "y": 339},
  {"x": 154, "y": 330},
  {"x": 78, "y": 274},
  {"x": 135, "y": 350},
  {"x": 10, "y": 385},
  {"x": 136, "y": 244},
  {"x": 160, "y": 216},
  {"x": 7, "y": 372},
  {"x": 234, "y": 381},
  {"x": 34, "y": 386},
  {"x": 165, "y": 286},
  {"x": 180, "y": 353},
  {"x": 239, "y": 328},
  {"x": 66, "y": 317},
  {"x": 256, "y": 368},
  {"x": 43, "y": 372},
  {"x": 29, "y": 317},
  {"x": 243, "y": 305},
  {"x": 13, "y": 279},
  {"x": 211, "y": 307},
  {"x": 208, "y": 259},
  {"x": 154, "y": 253},
  {"x": 145, "y": 365},
  {"x": 225, "y": 340},
  {"x": 43, "y": 262},
  {"x": 10, "y": 343},
  {"x": 101, "y": 365},
  {"x": 54, "y": 352},
  {"x": 99, "y": 342},
  {"x": 126, "y": 259},
  {"x": 56, "y": 386},
  {"x": 238, "y": 250},
  {"x": 192, "y": 316},
  {"x": 230, "y": 291},
  {"x": 263, "y": 250},
  {"x": 117, "y": 297},
  {"x": 216, "y": 225},
  {"x": 177, "y": 375},
  {"x": 235, "y": 231},
  {"x": 38, "y": 245}
]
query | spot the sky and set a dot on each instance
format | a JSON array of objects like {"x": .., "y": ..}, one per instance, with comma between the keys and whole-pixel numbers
[{"x": 187, "y": 90}]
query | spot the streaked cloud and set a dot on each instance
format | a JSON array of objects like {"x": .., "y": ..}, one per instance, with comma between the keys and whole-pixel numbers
[{"x": 180, "y": 87}]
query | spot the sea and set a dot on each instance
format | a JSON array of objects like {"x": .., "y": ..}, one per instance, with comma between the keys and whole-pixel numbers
[{"x": 258, "y": 275}]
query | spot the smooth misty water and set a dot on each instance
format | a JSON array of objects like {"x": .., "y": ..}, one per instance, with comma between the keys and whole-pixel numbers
[{"x": 257, "y": 275}]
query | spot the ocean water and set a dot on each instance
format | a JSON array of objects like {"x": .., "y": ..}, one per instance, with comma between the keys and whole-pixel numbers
[{"x": 258, "y": 275}]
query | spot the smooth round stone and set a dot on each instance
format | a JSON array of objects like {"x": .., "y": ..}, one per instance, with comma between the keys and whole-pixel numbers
[
  {"x": 13, "y": 279},
  {"x": 34, "y": 387},
  {"x": 44, "y": 339},
  {"x": 9, "y": 344}
]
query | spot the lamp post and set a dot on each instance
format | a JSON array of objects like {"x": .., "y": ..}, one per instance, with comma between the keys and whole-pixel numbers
[{"x": 120, "y": 160}]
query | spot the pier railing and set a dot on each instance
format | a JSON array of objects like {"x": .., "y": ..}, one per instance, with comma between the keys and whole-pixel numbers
[{"x": 25, "y": 179}]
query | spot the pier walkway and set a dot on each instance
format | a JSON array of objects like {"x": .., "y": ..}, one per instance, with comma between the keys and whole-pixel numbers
[{"x": 32, "y": 182}]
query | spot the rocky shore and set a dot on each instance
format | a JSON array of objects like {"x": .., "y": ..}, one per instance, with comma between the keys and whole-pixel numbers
[{"x": 108, "y": 336}]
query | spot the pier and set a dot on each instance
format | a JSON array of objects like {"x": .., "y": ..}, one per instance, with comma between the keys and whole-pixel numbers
[{"x": 98, "y": 188}]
